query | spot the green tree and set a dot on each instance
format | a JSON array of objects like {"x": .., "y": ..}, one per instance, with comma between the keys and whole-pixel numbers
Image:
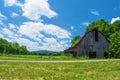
[
  {"x": 116, "y": 23},
  {"x": 23, "y": 50},
  {"x": 115, "y": 45},
  {"x": 11, "y": 48},
  {"x": 102, "y": 25},
  {"x": 75, "y": 40}
]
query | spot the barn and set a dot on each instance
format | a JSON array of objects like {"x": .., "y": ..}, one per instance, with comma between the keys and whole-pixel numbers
[{"x": 93, "y": 44}]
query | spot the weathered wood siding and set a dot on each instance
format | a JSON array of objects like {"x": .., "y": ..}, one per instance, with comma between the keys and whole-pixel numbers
[{"x": 88, "y": 44}]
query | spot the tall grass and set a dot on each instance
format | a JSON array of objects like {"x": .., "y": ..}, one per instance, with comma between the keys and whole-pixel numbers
[
  {"x": 35, "y": 57},
  {"x": 60, "y": 71}
]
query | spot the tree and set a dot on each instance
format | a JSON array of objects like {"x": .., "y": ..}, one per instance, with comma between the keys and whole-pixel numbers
[
  {"x": 102, "y": 25},
  {"x": 11, "y": 48},
  {"x": 23, "y": 50},
  {"x": 75, "y": 40},
  {"x": 115, "y": 45},
  {"x": 116, "y": 23}
]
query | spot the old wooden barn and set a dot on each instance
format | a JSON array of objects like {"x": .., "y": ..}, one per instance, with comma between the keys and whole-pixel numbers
[{"x": 93, "y": 44}]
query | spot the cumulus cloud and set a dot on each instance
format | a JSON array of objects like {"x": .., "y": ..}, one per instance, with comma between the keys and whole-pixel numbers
[
  {"x": 94, "y": 12},
  {"x": 33, "y": 36},
  {"x": 32, "y": 46},
  {"x": 8, "y": 33},
  {"x": 2, "y": 17},
  {"x": 56, "y": 31},
  {"x": 1, "y": 23},
  {"x": 34, "y": 29},
  {"x": 10, "y": 2},
  {"x": 34, "y": 9},
  {"x": 1, "y": 35},
  {"x": 115, "y": 19},
  {"x": 11, "y": 26},
  {"x": 31, "y": 30},
  {"x": 14, "y": 15},
  {"x": 36, "y": 35}
]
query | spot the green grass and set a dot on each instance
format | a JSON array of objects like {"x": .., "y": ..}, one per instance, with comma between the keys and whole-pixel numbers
[
  {"x": 38, "y": 57},
  {"x": 60, "y": 71}
]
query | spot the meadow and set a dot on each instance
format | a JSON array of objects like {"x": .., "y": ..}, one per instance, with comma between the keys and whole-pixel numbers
[
  {"x": 109, "y": 70},
  {"x": 39, "y": 57}
]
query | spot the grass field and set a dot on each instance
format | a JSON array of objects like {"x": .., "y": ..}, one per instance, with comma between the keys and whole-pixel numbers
[
  {"x": 60, "y": 71},
  {"x": 38, "y": 57}
]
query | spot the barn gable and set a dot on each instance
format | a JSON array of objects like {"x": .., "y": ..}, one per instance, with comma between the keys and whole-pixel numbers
[{"x": 93, "y": 44}]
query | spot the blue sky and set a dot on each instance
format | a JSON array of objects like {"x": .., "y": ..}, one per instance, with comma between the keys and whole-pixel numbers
[{"x": 51, "y": 24}]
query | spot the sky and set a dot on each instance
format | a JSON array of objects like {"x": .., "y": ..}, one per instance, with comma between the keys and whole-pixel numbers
[{"x": 51, "y": 24}]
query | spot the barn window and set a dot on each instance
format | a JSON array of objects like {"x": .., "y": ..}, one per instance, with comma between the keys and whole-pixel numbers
[{"x": 96, "y": 35}]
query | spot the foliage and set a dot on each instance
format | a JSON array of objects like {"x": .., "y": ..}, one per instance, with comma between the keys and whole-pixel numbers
[
  {"x": 104, "y": 27},
  {"x": 75, "y": 40},
  {"x": 115, "y": 44},
  {"x": 117, "y": 23},
  {"x": 11, "y": 48}
]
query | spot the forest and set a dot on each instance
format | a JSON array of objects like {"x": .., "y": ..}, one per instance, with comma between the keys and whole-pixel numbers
[{"x": 11, "y": 48}]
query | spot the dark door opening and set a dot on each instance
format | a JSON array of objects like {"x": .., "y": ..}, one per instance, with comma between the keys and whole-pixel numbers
[
  {"x": 106, "y": 55},
  {"x": 74, "y": 54},
  {"x": 92, "y": 54}
]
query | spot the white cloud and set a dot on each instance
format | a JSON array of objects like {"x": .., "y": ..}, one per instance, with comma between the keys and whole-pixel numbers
[
  {"x": 94, "y": 12},
  {"x": 8, "y": 32},
  {"x": 34, "y": 9},
  {"x": 53, "y": 44},
  {"x": 31, "y": 29},
  {"x": 32, "y": 46},
  {"x": 72, "y": 27},
  {"x": 115, "y": 19},
  {"x": 14, "y": 15},
  {"x": 36, "y": 35},
  {"x": 10, "y": 2},
  {"x": 1, "y": 22},
  {"x": 1, "y": 36},
  {"x": 38, "y": 31},
  {"x": 56, "y": 31},
  {"x": 2, "y": 17},
  {"x": 85, "y": 23},
  {"x": 34, "y": 29},
  {"x": 12, "y": 26}
]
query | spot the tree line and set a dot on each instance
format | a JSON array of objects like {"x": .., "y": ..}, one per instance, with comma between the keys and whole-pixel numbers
[
  {"x": 11, "y": 48},
  {"x": 111, "y": 31}
]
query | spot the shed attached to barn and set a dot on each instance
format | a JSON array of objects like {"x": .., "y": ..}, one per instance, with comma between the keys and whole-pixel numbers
[{"x": 93, "y": 44}]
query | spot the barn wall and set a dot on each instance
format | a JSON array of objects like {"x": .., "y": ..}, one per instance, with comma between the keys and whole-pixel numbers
[{"x": 89, "y": 42}]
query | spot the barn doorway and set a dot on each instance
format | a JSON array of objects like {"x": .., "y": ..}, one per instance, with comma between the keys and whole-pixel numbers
[
  {"x": 92, "y": 54},
  {"x": 106, "y": 54},
  {"x": 74, "y": 54}
]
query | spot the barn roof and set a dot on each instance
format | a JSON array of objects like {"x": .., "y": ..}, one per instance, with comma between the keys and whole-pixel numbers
[{"x": 75, "y": 46}]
